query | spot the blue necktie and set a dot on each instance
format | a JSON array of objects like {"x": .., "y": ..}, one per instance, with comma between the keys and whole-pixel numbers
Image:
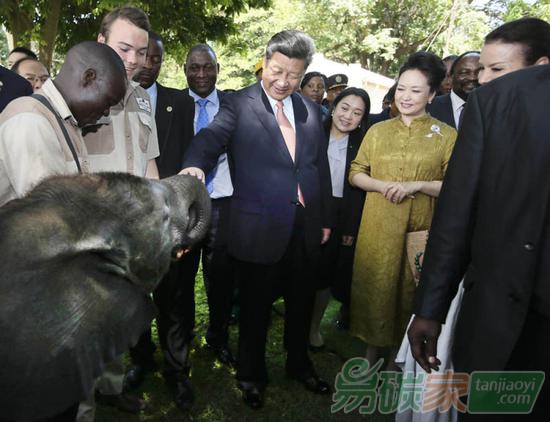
[
  {"x": 202, "y": 119},
  {"x": 202, "y": 122}
]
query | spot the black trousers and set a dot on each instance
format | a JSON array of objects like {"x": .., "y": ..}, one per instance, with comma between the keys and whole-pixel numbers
[
  {"x": 218, "y": 273},
  {"x": 294, "y": 277},
  {"x": 175, "y": 298},
  {"x": 68, "y": 415},
  {"x": 336, "y": 265}
]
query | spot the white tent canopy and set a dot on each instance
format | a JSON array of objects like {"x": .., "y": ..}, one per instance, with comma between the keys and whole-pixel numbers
[{"x": 375, "y": 84}]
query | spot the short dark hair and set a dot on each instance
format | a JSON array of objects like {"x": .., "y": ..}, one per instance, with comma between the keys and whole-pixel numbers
[
  {"x": 450, "y": 57},
  {"x": 201, "y": 47},
  {"x": 352, "y": 91},
  {"x": 155, "y": 36},
  {"x": 26, "y": 51},
  {"x": 459, "y": 58},
  {"x": 292, "y": 43},
  {"x": 17, "y": 64},
  {"x": 532, "y": 33},
  {"x": 429, "y": 65},
  {"x": 131, "y": 14},
  {"x": 390, "y": 95},
  {"x": 310, "y": 75}
]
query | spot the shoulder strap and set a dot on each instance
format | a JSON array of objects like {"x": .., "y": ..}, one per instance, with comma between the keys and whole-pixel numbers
[{"x": 48, "y": 105}]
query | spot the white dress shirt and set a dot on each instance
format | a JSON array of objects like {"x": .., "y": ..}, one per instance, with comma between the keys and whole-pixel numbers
[
  {"x": 221, "y": 182},
  {"x": 287, "y": 107},
  {"x": 458, "y": 104},
  {"x": 153, "y": 93}
]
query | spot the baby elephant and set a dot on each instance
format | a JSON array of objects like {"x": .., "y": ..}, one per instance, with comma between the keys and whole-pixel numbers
[{"x": 80, "y": 255}]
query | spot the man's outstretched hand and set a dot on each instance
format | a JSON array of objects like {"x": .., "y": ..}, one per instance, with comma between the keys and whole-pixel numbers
[
  {"x": 423, "y": 334},
  {"x": 194, "y": 171}
]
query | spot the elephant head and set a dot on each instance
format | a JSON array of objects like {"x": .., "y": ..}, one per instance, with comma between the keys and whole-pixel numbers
[
  {"x": 192, "y": 207},
  {"x": 80, "y": 255}
]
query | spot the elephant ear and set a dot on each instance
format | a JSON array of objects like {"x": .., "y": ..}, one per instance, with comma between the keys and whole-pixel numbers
[{"x": 62, "y": 319}]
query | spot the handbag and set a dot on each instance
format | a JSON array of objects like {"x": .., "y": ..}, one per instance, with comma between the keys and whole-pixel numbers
[{"x": 416, "y": 245}]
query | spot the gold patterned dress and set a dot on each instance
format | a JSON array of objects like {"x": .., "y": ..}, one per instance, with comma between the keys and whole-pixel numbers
[{"x": 383, "y": 287}]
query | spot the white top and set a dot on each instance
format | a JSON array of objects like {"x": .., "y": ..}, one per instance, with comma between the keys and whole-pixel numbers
[
  {"x": 32, "y": 146},
  {"x": 337, "y": 152},
  {"x": 153, "y": 93},
  {"x": 288, "y": 109},
  {"x": 458, "y": 104}
]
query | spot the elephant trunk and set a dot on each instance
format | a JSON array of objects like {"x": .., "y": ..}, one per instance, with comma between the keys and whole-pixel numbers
[{"x": 190, "y": 209}]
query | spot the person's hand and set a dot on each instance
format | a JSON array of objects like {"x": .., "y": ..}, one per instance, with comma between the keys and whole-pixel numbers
[
  {"x": 325, "y": 235},
  {"x": 348, "y": 240},
  {"x": 396, "y": 192},
  {"x": 423, "y": 334},
  {"x": 194, "y": 171}
]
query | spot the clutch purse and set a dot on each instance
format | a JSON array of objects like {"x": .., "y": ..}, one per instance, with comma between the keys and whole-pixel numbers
[{"x": 416, "y": 245}]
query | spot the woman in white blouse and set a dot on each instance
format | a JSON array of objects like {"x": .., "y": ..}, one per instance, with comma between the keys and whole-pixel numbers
[{"x": 345, "y": 129}]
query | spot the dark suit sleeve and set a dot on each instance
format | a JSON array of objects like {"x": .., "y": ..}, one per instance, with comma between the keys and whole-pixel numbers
[
  {"x": 14, "y": 86},
  {"x": 327, "y": 213},
  {"x": 449, "y": 246},
  {"x": 353, "y": 209},
  {"x": 212, "y": 141},
  {"x": 188, "y": 116},
  {"x": 354, "y": 198}
]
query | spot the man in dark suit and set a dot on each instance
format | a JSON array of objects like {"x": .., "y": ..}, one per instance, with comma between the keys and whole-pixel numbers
[
  {"x": 12, "y": 86},
  {"x": 464, "y": 73},
  {"x": 174, "y": 120},
  {"x": 278, "y": 212},
  {"x": 201, "y": 70},
  {"x": 492, "y": 224}
]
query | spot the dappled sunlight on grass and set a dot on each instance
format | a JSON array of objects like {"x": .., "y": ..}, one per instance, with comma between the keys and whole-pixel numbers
[{"x": 217, "y": 397}]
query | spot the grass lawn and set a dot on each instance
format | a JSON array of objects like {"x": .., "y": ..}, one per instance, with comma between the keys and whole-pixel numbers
[{"x": 218, "y": 399}]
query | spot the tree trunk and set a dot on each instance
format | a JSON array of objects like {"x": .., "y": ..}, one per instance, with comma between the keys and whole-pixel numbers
[
  {"x": 18, "y": 23},
  {"x": 48, "y": 32}
]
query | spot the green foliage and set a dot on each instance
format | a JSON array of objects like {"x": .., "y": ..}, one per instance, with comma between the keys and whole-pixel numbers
[
  {"x": 181, "y": 22},
  {"x": 241, "y": 52},
  {"x": 516, "y": 9},
  {"x": 3, "y": 48},
  {"x": 378, "y": 34}
]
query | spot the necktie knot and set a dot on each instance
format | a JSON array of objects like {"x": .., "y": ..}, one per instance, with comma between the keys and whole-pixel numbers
[
  {"x": 202, "y": 118},
  {"x": 280, "y": 105}
]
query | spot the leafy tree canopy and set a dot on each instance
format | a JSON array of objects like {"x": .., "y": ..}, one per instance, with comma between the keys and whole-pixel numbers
[{"x": 65, "y": 23}]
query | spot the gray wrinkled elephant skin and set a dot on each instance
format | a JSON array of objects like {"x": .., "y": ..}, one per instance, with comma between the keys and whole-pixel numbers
[{"x": 80, "y": 255}]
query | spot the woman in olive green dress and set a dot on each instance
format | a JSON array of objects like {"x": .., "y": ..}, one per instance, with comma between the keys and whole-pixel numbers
[{"x": 401, "y": 164}]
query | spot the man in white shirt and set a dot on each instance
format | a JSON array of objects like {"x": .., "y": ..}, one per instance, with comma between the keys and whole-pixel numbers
[
  {"x": 34, "y": 145},
  {"x": 464, "y": 73}
]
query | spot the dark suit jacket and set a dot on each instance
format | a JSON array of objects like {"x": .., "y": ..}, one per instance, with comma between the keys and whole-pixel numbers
[
  {"x": 492, "y": 221},
  {"x": 13, "y": 86},
  {"x": 442, "y": 109},
  {"x": 380, "y": 117},
  {"x": 264, "y": 176},
  {"x": 174, "y": 118},
  {"x": 353, "y": 198}
]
